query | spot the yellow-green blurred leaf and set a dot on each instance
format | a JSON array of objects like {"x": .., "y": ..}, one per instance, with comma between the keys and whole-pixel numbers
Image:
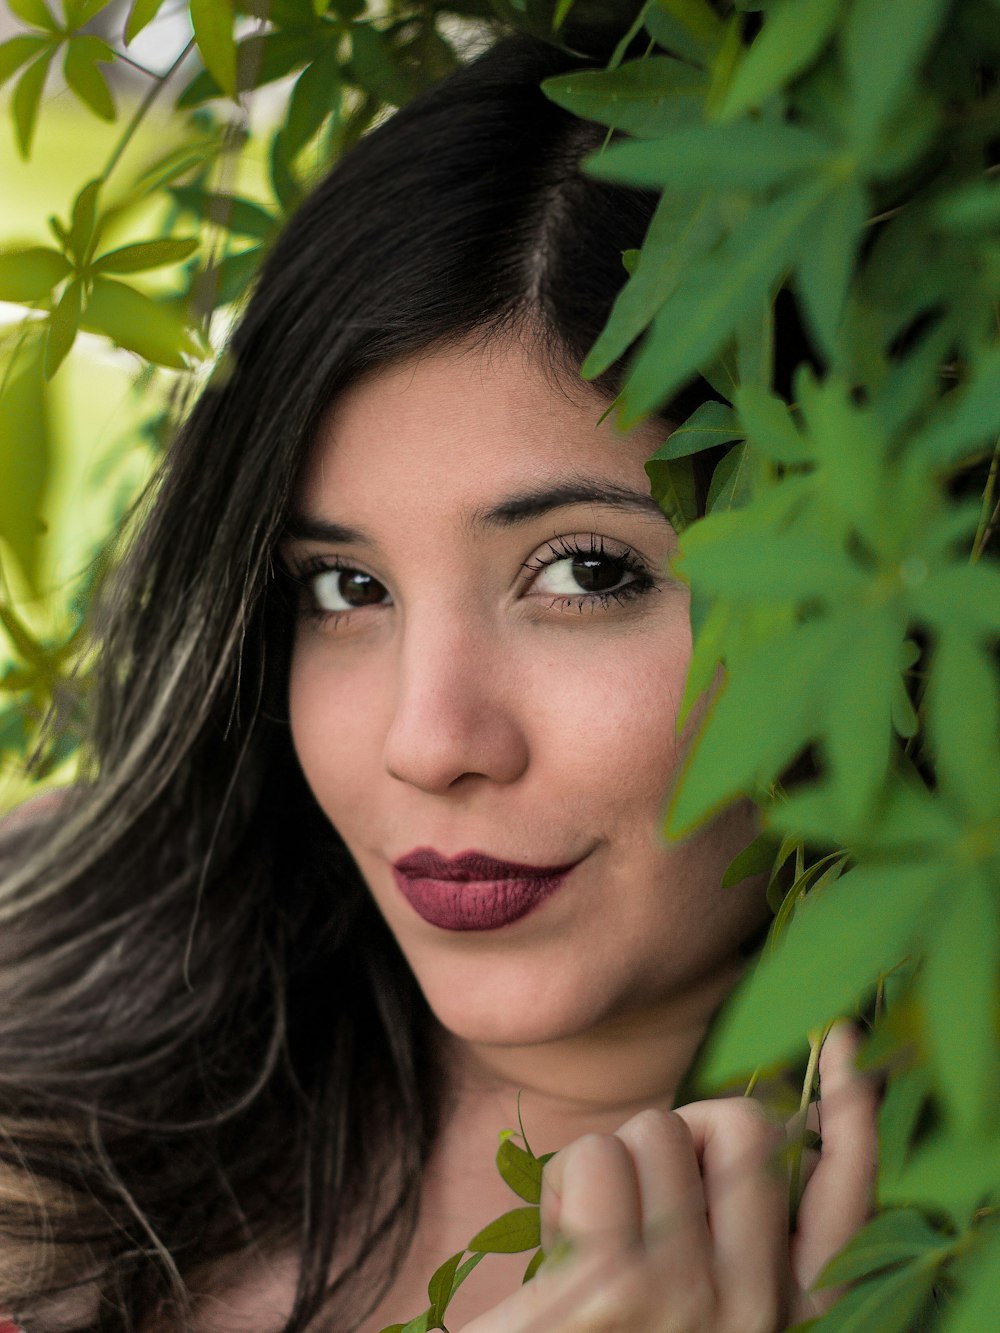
[
  {"x": 145, "y": 255},
  {"x": 63, "y": 327},
  {"x": 213, "y": 30},
  {"x": 25, "y": 454},
  {"x": 18, "y": 51},
  {"x": 141, "y": 13},
  {"x": 34, "y": 12},
  {"x": 30, "y": 274},
  {"x": 27, "y": 96},
  {"x": 136, "y": 322},
  {"x": 83, "y": 76}
]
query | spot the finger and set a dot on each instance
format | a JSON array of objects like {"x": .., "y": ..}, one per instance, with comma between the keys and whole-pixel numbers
[
  {"x": 746, "y": 1190},
  {"x": 839, "y": 1197},
  {"x": 590, "y": 1196},
  {"x": 672, "y": 1198}
]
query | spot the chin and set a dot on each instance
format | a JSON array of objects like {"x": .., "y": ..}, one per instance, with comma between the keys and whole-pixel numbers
[{"x": 513, "y": 1015}]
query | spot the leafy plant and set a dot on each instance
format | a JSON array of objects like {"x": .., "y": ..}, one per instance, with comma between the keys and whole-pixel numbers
[{"x": 827, "y": 161}]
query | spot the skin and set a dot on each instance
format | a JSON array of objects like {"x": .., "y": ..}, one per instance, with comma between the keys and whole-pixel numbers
[{"x": 480, "y": 701}]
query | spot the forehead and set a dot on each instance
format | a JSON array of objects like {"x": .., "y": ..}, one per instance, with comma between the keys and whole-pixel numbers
[{"x": 456, "y": 425}]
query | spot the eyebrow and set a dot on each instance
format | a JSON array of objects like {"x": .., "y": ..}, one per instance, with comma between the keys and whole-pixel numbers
[{"x": 520, "y": 508}]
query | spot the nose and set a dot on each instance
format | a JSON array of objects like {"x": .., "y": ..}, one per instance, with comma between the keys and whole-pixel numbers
[{"x": 457, "y": 712}]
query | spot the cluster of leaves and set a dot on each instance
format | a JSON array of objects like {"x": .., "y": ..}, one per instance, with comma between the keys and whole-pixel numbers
[
  {"x": 833, "y": 157},
  {"x": 842, "y": 156},
  {"x": 344, "y": 63},
  {"x": 513, "y": 1233}
]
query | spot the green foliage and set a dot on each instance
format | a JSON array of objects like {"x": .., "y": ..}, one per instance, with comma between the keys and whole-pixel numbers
[{"x": 837, "y": 157}]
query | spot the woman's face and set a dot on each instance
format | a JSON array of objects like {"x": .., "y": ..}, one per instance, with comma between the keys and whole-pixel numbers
[{"x": 488, "y": 664}]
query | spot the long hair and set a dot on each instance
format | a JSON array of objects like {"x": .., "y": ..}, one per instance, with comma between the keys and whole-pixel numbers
[{"x": 210, "y": 1043}]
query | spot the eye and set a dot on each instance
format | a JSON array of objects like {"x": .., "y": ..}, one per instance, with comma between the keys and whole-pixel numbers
[
  {"x": 341, "y": 588},
  {"x": 580, "y": 571}
]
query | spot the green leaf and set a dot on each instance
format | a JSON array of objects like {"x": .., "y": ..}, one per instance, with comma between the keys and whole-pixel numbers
[
  {"x": 710, "y": 424},
  {"x": 287, "y": 188},
  {"x": 822, "y": 968},
  {"x": 534, "y": 1264},
  {"x": 949, "y": 1172},
  {"x": 896, "y": 1236},
  {"x": 888, "y": 1303},
  {"x": 515, "y": 1231},
  {"x": 963, "y": 702},
  {"x": 375, "y": 65},
  {"x": 30, "y": 274},
  {"x": 36, "y": 14},
  {"x": 688, "y": 28},
  {"x": 749, "y": 155},
  {"x": 794, "y": 34},
  {"x": 234, "y": 276},
  {"x": 83, "y": 76},
  {"x": 317, "y": 92},
  {"x": 715, "y": 294},
  {"x": 682, "y": 229},
  {"x": 64, "y": 324},
  {"x": 959, "y": 987},
  {"x": 239, "y": 216},
  {"x": 861, "y": 687},
  {"x": 755, "y": 859},
  {"x": 260, "y": 59},
  {"x": 26, "y": 455},
  {"x": 730, "y": 487},
  {"x": 521, "y": 1171},
  {"x": 974, "y": 1306},
  {"x": 767, "y": 422},
  {"x": 212, "y": 21},
  {"x": 828, "y": 261},
  {"x": 150, "y": 328},
  {"x": 145, "y": 255},
  {"x": 752, "y": 730},
  {"x": 18, "y": 51},
  {"x": 884, "y": 43},
  {"x": 26, "y": 100},
  {"x": 959, "y": 597},
  {"x": 902, "y": 1104},
  {"x": 83, "y": 220},
  {"x": 440, "y": 1287},
  {"x": 967, "y": 420},
  {"x": 643, "y": 97},
  {"x": 672, "y": 485},
  {"x": 141, "y": 13}
]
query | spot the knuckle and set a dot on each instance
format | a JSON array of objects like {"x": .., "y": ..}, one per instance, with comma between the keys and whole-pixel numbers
[
  {"x": 654, "y": 1124},
  {"x": 752, "y": 1124}
]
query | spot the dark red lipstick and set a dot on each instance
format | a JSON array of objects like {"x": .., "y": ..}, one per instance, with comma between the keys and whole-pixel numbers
[{"x": 473, "y": 891}]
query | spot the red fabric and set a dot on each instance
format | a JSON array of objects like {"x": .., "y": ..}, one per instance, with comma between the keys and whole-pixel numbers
[{"x": 8, "y": 1326}]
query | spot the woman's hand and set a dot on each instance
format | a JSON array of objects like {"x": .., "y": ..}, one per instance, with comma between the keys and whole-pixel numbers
[{"x": 679, "y": 1221}]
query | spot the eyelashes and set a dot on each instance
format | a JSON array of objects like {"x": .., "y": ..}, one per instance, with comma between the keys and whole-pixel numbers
[{"x": 582, "y": 574}]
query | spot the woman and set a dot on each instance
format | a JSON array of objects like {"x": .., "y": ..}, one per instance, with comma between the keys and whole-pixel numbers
[{"x": 368, "y": 843}]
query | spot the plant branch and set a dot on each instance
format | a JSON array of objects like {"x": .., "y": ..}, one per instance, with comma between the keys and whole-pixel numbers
[{"x": 142, "y": 110}]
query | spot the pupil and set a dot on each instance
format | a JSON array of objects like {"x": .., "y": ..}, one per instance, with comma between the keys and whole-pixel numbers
[
  {"x": 597, "y": 573},
  {"x": 360, "y": 589}
]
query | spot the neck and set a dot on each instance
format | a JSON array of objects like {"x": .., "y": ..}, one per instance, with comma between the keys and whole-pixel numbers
[{"x": 588, "y": 1082}]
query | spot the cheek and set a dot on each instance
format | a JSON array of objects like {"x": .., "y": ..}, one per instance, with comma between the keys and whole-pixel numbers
[{"x": 332, "y": 716}]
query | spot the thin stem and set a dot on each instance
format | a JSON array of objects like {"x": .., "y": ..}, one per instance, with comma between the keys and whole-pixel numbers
[
  {"x": 798, "y": 1147},
  {"x": 142, "y": 110},
  {"x": 988, "y": 525},
  {"x": 149, "y": 73}
]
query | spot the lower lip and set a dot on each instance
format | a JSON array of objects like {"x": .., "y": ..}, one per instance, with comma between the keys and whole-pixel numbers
[{"x": 479, "y": 904}]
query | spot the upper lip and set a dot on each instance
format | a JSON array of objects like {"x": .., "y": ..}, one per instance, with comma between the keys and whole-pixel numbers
[{"x": 426, "y": 863}]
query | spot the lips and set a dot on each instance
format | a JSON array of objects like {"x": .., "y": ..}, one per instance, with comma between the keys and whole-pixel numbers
[{"x": 474, "y": 891}]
